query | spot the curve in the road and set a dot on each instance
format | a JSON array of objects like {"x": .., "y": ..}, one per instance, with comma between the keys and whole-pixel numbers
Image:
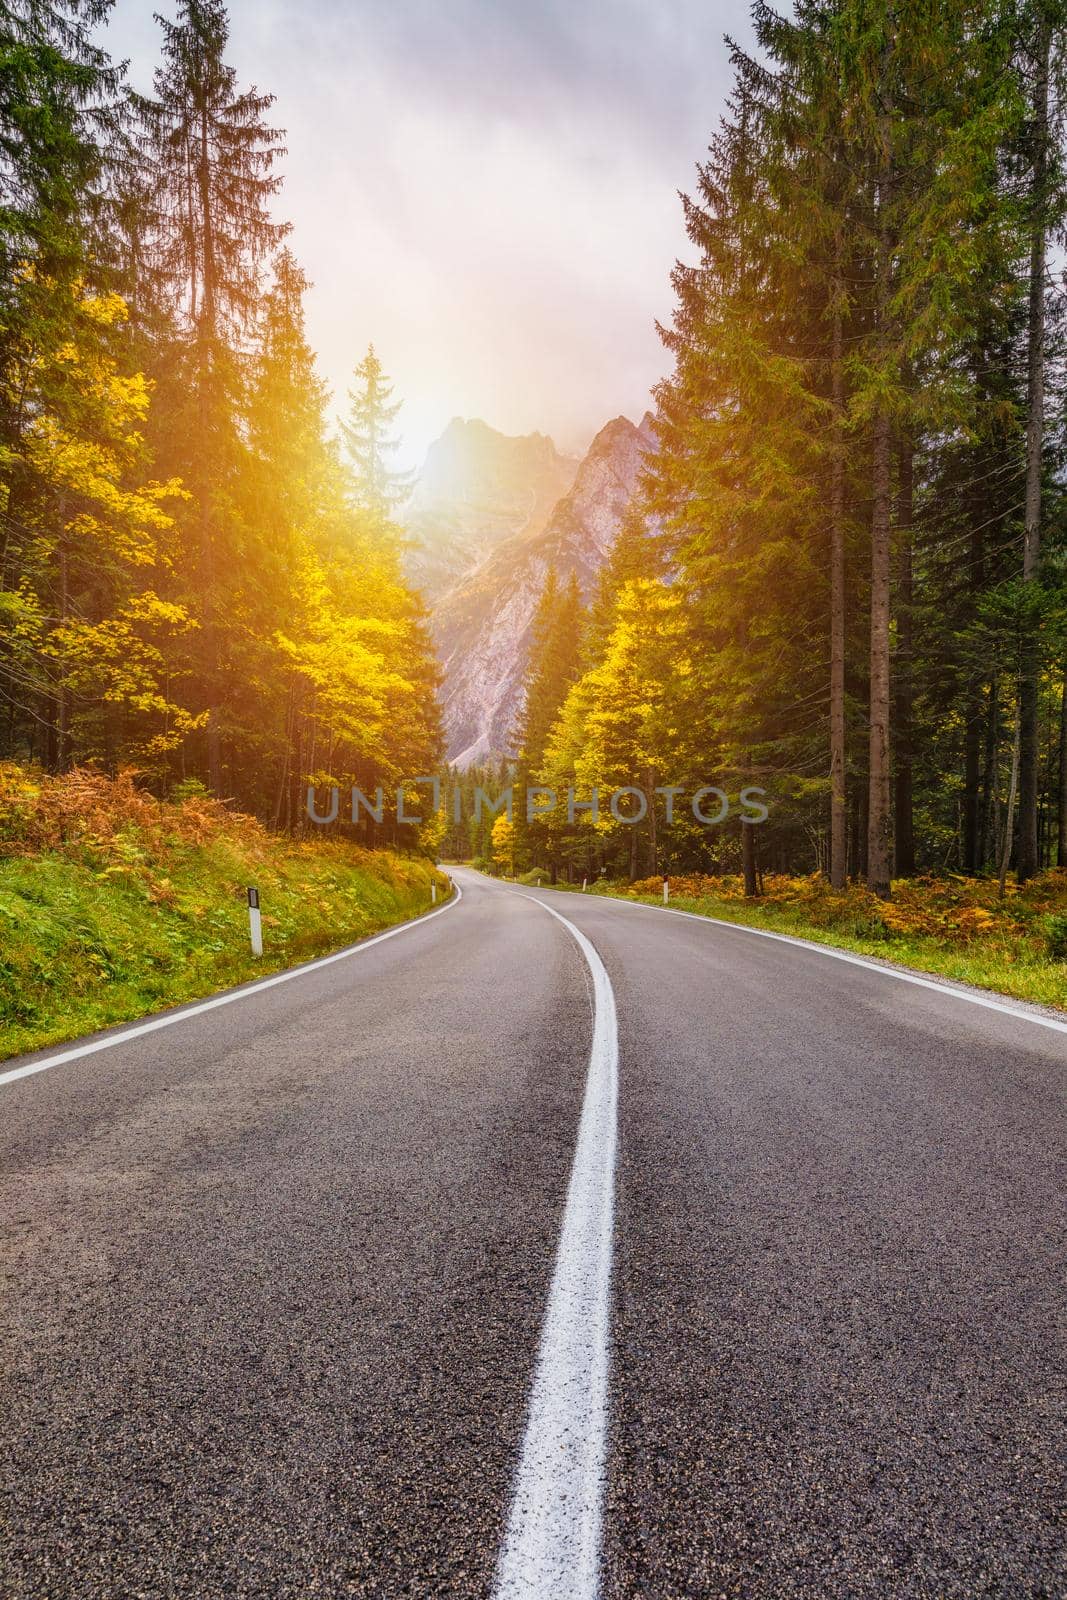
[
  {"x": 122, "y": 1035},
  {"x": 888, "y": 969}
]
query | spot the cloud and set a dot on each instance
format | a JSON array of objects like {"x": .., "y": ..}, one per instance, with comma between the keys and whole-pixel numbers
[{"x": 487, "y": 189}]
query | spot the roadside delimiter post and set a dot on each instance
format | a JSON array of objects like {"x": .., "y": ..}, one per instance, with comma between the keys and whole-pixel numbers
[{"x": 255, "y": 926}]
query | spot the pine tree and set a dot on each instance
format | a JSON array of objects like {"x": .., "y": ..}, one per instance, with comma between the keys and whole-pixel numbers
[
  {"x": 289, "y": 489},
  {"x": 854, "y": 226},
  {"x": 372, "y": 412},
  {"x": 210, "y": 157},
  {"x": 625, "y": 722},
  {"x": 87, "y": 634},
  {"x": 553, "y": 664},
  {"x": 57, "y": 96},
  {"x": 58, "y": 92},
  {"x": 337, "y": 673},
  {"x": 1044, "y": 202},
  {"x": 929, "y": 108},
  {"x": 740, "y": 479},
  {"x": 637, "y": 553},
  {"x": 139, "y": 618},
  {"x": 52, "y": 83}
]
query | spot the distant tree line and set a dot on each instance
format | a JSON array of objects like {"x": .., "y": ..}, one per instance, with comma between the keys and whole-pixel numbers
[
  {"x": 196, "y": 579},
  {"x": 846, "y": 578}
]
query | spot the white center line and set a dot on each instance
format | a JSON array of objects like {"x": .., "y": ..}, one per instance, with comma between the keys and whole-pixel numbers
[{"x": 551, "y": 1548}]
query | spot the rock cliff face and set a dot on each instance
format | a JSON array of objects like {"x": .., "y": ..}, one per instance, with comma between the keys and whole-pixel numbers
[
  {"x": 483, "y": 580},
  {"x": 476, "y": 489}
]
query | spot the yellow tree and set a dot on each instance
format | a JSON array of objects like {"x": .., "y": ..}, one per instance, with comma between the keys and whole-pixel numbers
[
  {"x": 94, "y": 532},
  {"x": 626, "y": 722},
  {"x": 503, "y": 843},
  {"x": 338, "y": 680}
]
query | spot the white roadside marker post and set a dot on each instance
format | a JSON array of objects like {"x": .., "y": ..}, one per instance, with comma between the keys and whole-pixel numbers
[
  {"x": 584, "y": 882},
  {"x": 255, "y": 926},
  {"x": 433, "y": 891},
  {"x": 666, "y": 890}
]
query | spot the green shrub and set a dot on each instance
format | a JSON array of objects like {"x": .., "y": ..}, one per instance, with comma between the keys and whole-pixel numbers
[
  {"x": 189, "y": 789},
  {"x": 1056, "y": 935},
  {"x": 867, "y": 928}
]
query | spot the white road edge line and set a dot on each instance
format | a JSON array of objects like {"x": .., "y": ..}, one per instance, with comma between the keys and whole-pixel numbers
[
  {"x": 1008, "y": 1007},
  {"x": 551, "y": 1548},
  {"x": 227, "y": 999}
]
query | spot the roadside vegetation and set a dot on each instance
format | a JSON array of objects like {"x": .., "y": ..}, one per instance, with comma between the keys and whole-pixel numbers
[
  {"x": 114, "y": 904},
  {"x": 952, "y": 926}
]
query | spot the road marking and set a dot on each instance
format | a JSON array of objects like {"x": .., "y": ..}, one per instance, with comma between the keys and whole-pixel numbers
[
  {"x": 991, "y": 1004},
  {"x": 231, "y": 995},
  {"x": 552, "y": 1543}
]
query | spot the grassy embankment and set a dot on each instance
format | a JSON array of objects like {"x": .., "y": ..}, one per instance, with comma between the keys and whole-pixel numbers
[
  {"x": 954, "y": 927},
  {"x": 113, "y": 904}
]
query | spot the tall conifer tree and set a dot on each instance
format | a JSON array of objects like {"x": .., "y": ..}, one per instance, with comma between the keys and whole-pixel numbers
[
  {"x": 372, "y": 412},
  {"x": 211, "y": 157}
]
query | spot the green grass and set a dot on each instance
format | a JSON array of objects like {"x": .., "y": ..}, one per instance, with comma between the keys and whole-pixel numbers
[
  {"x": 1016, "y": 961},
  {"x": 90, "y": 936}
]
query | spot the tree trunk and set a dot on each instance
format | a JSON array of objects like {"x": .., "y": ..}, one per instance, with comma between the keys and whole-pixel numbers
[
  {"x": 857, "y": 831},
  {"x": 653, "y": 840},
  {"x": 1028, "y": 858},
  {"x": 1061, "y": 846},
  {"x": 975, "y": 801},
  {"x": 838, "y": 812},
  {"x": 878, "y": 815},
  {"x": 904, "y": 830},
  {"x": 62, "y": 694},
  {"x": 1009, "y": 818},
  {"x": 207, "y": 332},
  {"x": 283, "y": 781},
  {"x": 879, "y": 819},
  {"x": 748, "y": 858},
  {"x": 990, "y": 810},
  {"x": 972, "y": 777}
]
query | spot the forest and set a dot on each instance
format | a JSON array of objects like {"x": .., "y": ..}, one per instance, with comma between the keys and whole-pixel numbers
[
  {"x": 198, "y": 581},
  {"x": 845, "y": 577}
]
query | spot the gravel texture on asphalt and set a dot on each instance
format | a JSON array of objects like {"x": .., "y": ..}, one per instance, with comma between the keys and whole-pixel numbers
[
  {"x": 839, "y": 1278},
  {"x": 273, "y": 1278}
]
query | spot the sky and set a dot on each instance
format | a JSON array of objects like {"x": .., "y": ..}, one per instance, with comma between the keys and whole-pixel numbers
[{"x": 486, "y": 189}]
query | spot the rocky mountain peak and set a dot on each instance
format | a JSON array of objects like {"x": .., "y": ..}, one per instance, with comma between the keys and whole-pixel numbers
[
  {"x": 476, "y": 489},
  {"x": 481, "y": 617},
  {"x": 471, "y": 461}
]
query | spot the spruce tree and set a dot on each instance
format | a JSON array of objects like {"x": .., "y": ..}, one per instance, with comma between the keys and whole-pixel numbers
[
  {"x": 372, "y": 411},
  {"x": 553, "y": 664},
  {"x": 1044, "y": 204},
  {"x": 337, "y": 675},
  {"x": 210, "y": 157},
  {"x": 58, "y": 94}
]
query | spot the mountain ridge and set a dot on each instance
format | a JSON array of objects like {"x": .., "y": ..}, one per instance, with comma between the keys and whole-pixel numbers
[
  {"x": 481, "y": 618},
  {"x": 477, "y": 488}
]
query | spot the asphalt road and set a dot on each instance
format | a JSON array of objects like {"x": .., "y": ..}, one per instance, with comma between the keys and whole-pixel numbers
[{"x": 316, "y": 1293}]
